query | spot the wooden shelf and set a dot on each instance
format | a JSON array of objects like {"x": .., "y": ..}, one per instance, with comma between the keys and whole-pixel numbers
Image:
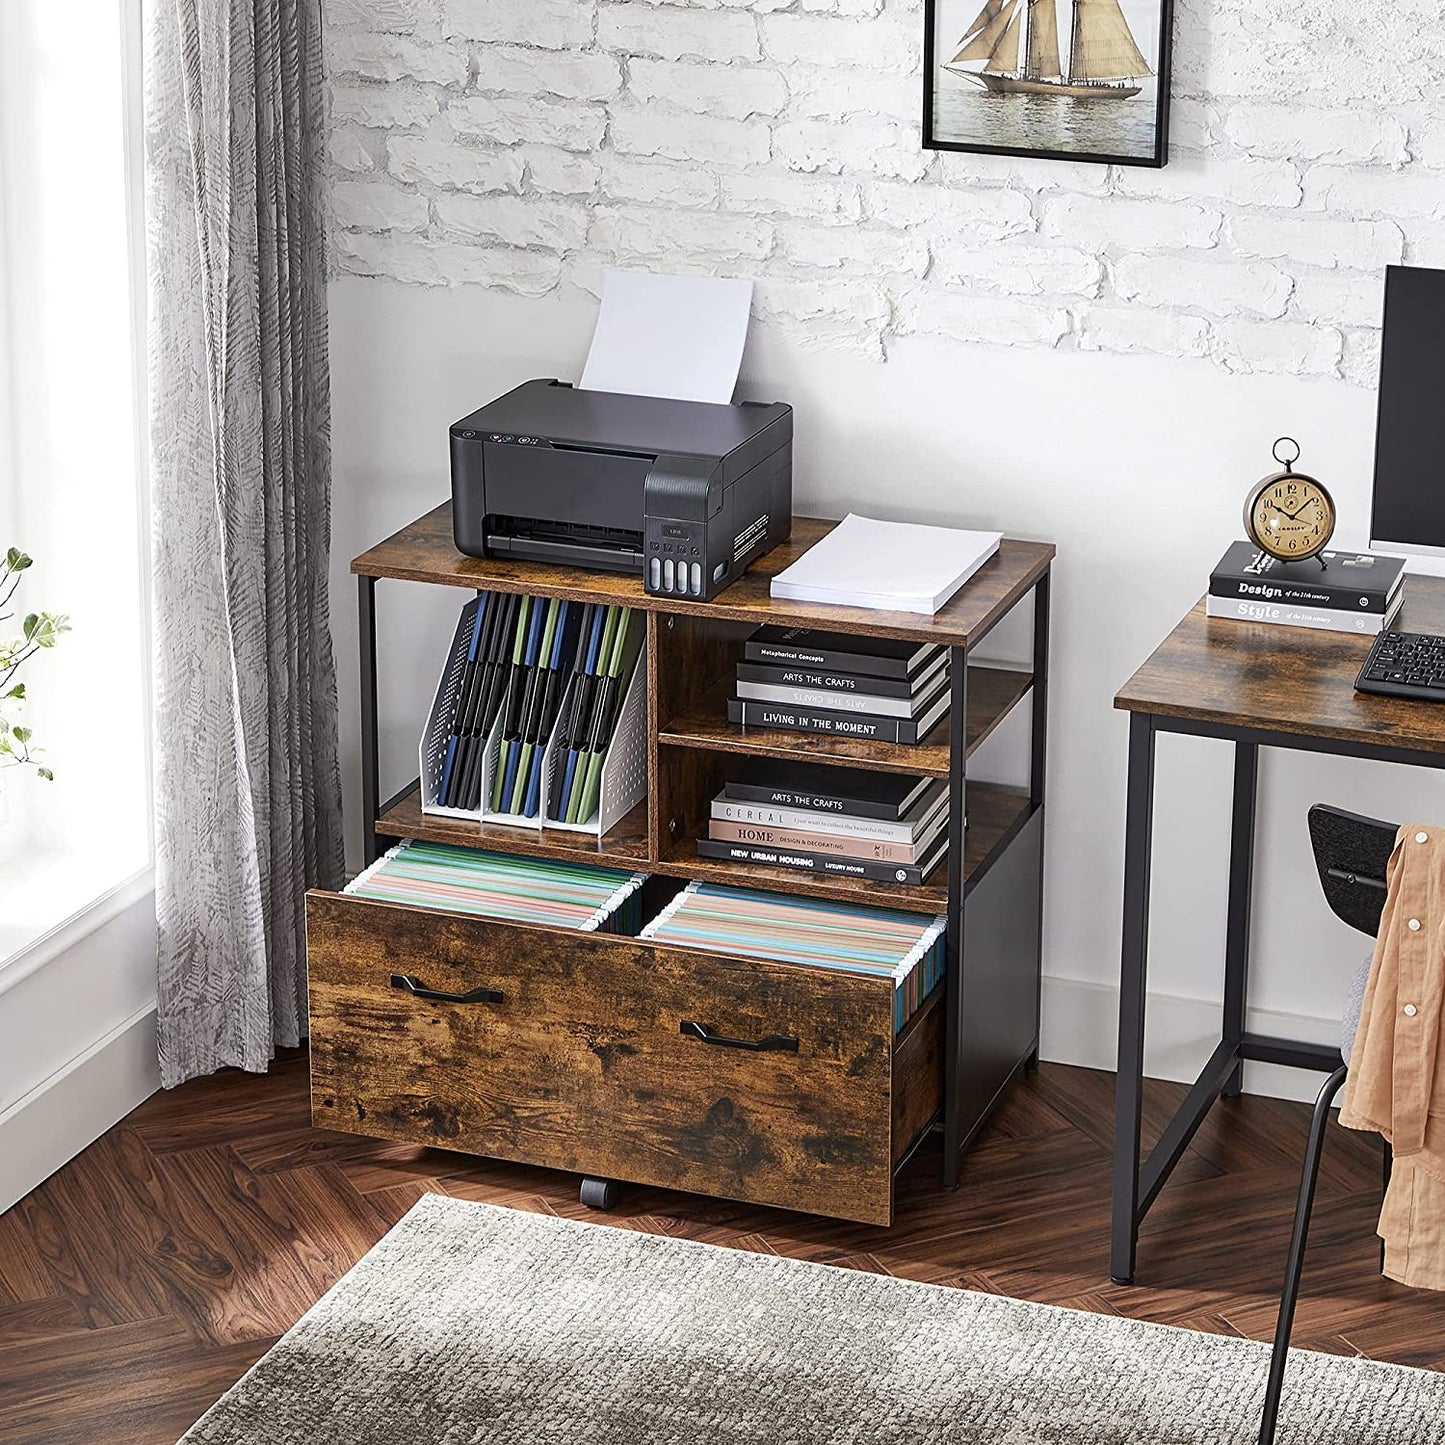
[
  {"x": 425, "y": 552},
  {"x": 992, "y": 693},
  {"x": 995, "y": 815},
  {"x": 624, "y": 847}
]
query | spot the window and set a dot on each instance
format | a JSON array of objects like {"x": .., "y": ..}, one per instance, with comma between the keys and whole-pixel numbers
[{"x": 70, "y": 456}]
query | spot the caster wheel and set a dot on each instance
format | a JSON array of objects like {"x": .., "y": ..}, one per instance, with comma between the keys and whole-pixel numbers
[{"x": 599, "y": 1193}]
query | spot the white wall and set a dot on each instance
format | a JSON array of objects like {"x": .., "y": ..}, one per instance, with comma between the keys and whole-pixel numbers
[{"x": 1264, "y": 245}]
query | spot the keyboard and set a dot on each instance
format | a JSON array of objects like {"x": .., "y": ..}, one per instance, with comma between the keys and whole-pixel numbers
[{"x": 1405, "y": 664}]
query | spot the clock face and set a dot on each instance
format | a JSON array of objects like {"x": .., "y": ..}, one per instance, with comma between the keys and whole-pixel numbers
[{"x": 1290, "y": 517}]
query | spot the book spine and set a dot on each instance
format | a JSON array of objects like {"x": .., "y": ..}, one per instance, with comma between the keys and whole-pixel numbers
[
  {"x": 815, "y": 720},
  {"x": 881, "y": 830},
  {"x": 1241, "y": 610},
  {"x": 855, "y": 702},
  {"x": 804, "y": 862},
  {"x": 1294, "y": 594},
  {"x": 811, "y": 841},
  {"x": 771, "y": 675},
  {"x": 829, "y": 806},
  {"x": 852, "y": 662}
]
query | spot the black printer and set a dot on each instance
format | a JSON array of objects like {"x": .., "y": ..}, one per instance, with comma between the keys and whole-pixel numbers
[{"x": 685, "y": 492}]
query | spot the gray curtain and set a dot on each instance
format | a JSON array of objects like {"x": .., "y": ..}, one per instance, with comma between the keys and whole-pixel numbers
[{"x": 247, "y": 784}]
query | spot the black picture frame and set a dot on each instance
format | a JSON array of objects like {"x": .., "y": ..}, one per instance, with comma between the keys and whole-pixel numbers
[{"x": 1160, "y": 156}]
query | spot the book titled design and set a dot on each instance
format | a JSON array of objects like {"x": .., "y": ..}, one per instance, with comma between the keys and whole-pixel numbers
[
  {"x": 809, "y": 840},
  {"x": 839, "y": 724},
  {"x": 823, "y": 788},
  {"x": 773, "y": 675},
  {"x": 807, "y": 862},
  {"x": 841, "y": 652},
  {"x": 1348, "y": 582},
  {"x": 1365, "y": 624}
]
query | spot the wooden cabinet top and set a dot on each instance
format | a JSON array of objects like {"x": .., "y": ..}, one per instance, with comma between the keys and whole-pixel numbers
[
  {"x": 1296, "y": 680},
  {"x": 425, "y": 552}
]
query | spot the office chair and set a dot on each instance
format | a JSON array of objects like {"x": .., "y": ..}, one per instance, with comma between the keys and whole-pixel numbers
[{"x": 1351, "y": 855}]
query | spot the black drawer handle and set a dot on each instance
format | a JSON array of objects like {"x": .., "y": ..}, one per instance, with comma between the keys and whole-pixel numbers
[
  {"x": 771, "y": 1044},
  {"x": 413, "y": 987}
]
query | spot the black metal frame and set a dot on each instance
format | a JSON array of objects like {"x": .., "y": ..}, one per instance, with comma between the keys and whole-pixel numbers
[
  {"x": 971, "y": 999},
  {"x": 1137, "y": 1184},
  {"x": 970, "y": 1096},
  {"x": 1161, "y": 104}
]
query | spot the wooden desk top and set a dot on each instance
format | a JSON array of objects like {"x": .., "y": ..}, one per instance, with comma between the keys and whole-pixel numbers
[
  {"x": 425, "y": 552},
  {"x": 1288, "y": 679}
]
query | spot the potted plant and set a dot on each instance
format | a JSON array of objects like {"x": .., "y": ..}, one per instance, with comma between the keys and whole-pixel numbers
[{"x": 37, "y": 630}]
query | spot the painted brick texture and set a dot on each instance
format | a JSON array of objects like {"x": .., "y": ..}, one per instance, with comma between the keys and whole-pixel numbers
[{"x": 528, "y": 144}]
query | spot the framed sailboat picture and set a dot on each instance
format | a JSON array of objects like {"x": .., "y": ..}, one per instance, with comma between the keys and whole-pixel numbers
[{"x": 1081, "y": 80}]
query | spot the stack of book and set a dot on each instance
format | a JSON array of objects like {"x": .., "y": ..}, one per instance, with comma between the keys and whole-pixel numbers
[
  {"x": 872, "y": 688},
  {"x": 1350, "y": 593},
  {"x": 832, "y": 820},
  {"x": 838, "y": 936}
]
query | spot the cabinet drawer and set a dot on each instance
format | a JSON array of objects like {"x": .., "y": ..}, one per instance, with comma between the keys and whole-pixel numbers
[{"x": 619, "y": 1059}]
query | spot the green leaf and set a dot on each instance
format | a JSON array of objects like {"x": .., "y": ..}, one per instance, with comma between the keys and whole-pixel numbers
[
  {"x": 46, "y": 774},
  {"x": 22, "y": 735},
  {"x": 30, "y": 626},
  {"x": 17, "y": 692},
  {"x": 16, "y": 560}
]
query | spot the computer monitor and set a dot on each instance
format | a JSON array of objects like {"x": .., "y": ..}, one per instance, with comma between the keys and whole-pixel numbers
[{"x": 1408, "y": 512}]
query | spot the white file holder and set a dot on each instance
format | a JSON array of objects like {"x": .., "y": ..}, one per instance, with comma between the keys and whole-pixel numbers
[
  {"x": 437, "y": 733},
  {"x": 624, "y": 769}
]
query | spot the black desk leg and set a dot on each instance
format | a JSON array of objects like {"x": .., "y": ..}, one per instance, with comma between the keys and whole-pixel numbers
[
  {"x": 1133, "y": 972},
  {"x": 953, "y": 972},
  {"x": 370, "y": 771},
  {"x": 1241, "y": 878}
]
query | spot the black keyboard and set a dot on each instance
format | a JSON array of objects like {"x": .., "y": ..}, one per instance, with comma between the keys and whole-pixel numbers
[{"x": 1405, "y": 664}]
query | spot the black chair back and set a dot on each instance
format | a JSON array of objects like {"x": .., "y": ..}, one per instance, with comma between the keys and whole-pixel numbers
[{"x": 1351, "y": 854}]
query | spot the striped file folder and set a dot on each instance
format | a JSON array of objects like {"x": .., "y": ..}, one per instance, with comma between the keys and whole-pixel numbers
[
  {"x": 500, "y": 885},
  {"x": 901, "y": 946}
]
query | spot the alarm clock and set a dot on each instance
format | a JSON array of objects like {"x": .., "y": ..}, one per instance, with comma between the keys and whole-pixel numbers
[{"x": 1289, "y": 515}]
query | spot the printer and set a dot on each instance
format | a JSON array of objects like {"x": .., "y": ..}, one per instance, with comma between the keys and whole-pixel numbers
[{"x": 685, "y": 492}]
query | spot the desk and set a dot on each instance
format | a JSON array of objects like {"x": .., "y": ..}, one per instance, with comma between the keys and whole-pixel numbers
[{"x": 1257, "y": 686}]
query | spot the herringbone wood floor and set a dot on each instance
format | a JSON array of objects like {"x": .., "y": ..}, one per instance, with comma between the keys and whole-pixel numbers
[{"x": 146, "y": 1276}]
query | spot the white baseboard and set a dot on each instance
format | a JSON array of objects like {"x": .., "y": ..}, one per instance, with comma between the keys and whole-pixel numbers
[
  {"x": 63, "y": 1114},
  {"x": 1081, "y": 1026}
]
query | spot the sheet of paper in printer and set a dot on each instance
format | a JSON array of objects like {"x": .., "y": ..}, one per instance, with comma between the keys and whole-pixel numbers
[{"x": 675, "y": 336}]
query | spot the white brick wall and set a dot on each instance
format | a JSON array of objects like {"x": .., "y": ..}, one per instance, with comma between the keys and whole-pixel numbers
[{"x": 523, "y": 143}]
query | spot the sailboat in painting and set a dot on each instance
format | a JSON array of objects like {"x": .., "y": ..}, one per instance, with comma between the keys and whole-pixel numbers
[{"x": 1104, "y": 63}]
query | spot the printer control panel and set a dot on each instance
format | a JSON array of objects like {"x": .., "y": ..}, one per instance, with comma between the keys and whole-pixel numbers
[{"x": 676, "y": 558}]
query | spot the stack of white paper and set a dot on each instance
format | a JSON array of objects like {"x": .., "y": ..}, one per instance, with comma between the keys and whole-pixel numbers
[{"x": 894, "y": 566}]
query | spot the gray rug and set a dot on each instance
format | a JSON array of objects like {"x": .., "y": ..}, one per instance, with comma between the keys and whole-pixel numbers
[{"x": 472, "y": 1325}]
